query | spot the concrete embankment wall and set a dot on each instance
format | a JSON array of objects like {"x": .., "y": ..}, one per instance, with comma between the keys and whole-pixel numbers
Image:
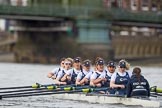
[
  {"x": 137, "y": 47},
  {"x": 7, "y": 57},
  {"x": 50, "y": 50}
]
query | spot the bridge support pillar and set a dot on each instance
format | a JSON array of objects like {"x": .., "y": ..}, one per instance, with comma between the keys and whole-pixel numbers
[
  {"x": 93, "y": 36},
  {"x": 43, "y": 41}
]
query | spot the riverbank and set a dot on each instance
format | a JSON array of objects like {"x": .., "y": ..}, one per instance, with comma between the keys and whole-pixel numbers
[
  {"x": 147, "y": 62},
  {"x": 9, "y": 57}
]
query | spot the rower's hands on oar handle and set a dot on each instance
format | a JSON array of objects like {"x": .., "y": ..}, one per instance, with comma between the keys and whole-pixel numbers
[
  {"x": 122, "y": 86},
  {"x": 62, "y": 83},
  {"x": 49, "y": 75},
  {"x": 53, "y": 77},
  {"x": 119, "y": 86}
]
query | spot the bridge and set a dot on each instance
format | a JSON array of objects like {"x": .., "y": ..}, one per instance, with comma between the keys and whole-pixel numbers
[
  {"x": 31, "y": 24},
  {"x": 48, "y": 12}
]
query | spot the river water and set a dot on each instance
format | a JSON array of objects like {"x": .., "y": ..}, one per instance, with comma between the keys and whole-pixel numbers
[{"x": 14, "y": 74}]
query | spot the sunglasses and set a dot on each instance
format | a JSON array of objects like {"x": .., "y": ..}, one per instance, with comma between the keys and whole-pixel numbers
[
  {"x": 67, "y": 63},
  {"x": 122, "y": 67},
  {"x": 87, "y": 66},
  {"x": 100, "y": 64},
  {"x": 111, "y": 66}
]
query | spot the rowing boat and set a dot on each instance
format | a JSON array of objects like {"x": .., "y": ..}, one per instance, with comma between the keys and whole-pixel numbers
[
  {"x": 103, "y": 99},
  {"x": 81, "y": 93}
]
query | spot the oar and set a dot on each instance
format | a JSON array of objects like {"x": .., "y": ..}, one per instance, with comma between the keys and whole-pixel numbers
[
  {"x": 158, "y": 94},
  {"x": 22, "y": 90},
  {"x": 41, "y": 91},
  {"x": 155, "y": 94},
  {"x": 155, "y": 89},
  {"x": 86, "y": 90},
  {"x": 36, "y": 85},
  {"x": 51, "y": 87}
]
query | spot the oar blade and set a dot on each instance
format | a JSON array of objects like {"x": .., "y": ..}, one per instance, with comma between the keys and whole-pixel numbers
[{"x": 156, "y": 89}]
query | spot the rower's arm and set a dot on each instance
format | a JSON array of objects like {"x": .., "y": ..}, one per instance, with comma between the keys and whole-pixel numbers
[
  {"x": 98, "y": 80},
  {"x": 148, "y": 88},
  {"x": 77, "y": 82},
  {"x": 50, "y": 74},
  {"x": 129, "y": 89},
  {"x": 113, "y": 85},
  {"x": 64, "y": 78},
  {"x": 83, "y": 81},
  {"x": 78, "y": 79}
]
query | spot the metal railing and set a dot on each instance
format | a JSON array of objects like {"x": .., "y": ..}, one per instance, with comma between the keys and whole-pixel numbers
[
  {"x": 142, "y": 16},
  {"x": 49, "y": 10},
  {"x": 81, "y": 12}
]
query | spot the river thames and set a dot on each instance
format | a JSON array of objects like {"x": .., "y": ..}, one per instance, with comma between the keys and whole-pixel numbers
[{"x": 15, "y": 74}]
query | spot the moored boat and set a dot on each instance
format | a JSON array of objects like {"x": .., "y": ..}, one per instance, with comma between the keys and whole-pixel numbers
[{"x": 103, "y": 99}]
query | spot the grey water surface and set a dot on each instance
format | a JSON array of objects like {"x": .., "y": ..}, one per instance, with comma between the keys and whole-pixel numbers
[{"x": 14, "y": 74}]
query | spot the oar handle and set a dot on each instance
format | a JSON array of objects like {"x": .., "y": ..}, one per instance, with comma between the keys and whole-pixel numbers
[
  {"x": 22, "y": 90},
  {"x": 15, "y": 87}
]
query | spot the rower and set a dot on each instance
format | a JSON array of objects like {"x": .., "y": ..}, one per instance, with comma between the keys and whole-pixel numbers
[
  {"x": 138, "y": 86},
  {"x": 98, "y": 77},
  {"x": 55, "y": 71},
  {"x": 67, "y": 65},
  {"x": 110, "y": 70},
  {"x": 120, "y": 79},
  {"x": 71, "y": 75},
  {"x": 83, "y": 78}
]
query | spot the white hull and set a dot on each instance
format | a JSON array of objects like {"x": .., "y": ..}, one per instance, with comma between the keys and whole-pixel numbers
[{"x": 109, "y": 100}]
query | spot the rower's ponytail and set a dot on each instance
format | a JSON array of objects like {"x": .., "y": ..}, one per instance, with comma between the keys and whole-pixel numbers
[{"x": 137, "y": 72}]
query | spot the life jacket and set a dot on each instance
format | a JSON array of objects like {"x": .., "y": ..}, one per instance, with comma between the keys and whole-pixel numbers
[
  {"x": 108, "y": 78},
  {"x": 122, "y": 80},
  {"x": 102, "y": 83},
  {"x": 107, "y": 84},
  {"x": 139, "y": 88},
  {"x": 63, "y": 73},
  {"x": 58, "y": 71},
  {"x": 83, "y": 75},
  {"x": 97, "y": 75},
  {"x": 73, "y": 77}
]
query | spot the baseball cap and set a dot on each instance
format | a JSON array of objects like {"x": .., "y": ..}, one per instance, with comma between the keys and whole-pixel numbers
[
  {"x": 111, "y": 64},
  {"x": 100, "y": 62},
  {"x": 122, "y": 64},
  {"x": 86, "y": 63},
  {"x": 77, "y": 59}
]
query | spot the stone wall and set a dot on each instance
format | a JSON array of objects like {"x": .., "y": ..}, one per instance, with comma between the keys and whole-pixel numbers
[{"x": 136, "y": 42}]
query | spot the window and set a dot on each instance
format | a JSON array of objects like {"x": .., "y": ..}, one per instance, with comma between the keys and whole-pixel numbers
[
  {"x": 144, "y": 5},
  {"x": 134, "y": 4}
]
